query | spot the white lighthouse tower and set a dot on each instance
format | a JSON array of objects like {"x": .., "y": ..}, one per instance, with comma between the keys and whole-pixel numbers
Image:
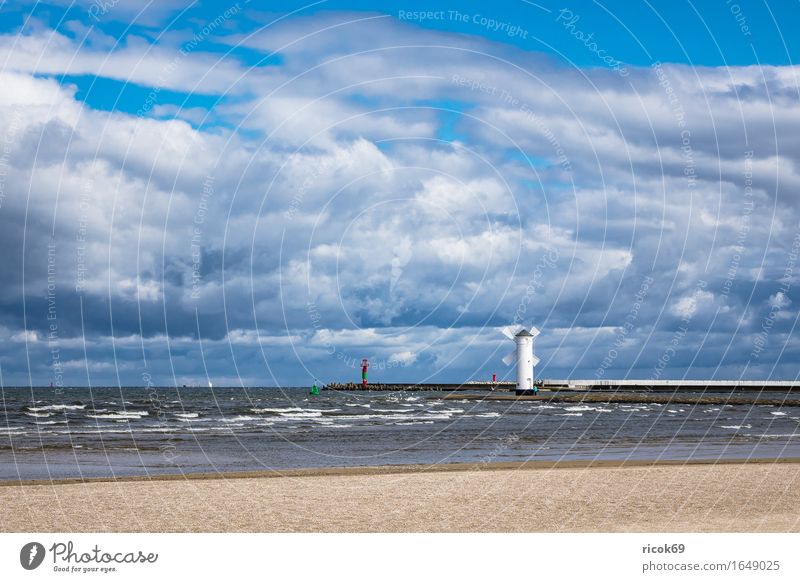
[{"x": 524, "y": 357}]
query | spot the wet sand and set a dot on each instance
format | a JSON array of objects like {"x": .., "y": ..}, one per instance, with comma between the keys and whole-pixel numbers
[{"x": 754, "y": 496}]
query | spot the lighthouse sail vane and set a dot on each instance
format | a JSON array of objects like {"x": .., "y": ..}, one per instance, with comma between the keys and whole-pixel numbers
[{"x": 523, "y": 355}]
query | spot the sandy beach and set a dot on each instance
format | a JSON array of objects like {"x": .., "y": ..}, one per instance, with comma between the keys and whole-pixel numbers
[{"x": 754, "y": 496}]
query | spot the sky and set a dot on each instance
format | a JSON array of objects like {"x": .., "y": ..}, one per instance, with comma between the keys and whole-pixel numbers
[{"x": 264, "y": 193}]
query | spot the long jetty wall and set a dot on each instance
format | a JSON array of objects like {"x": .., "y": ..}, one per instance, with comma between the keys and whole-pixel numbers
[
  {"x": 502, "y": 386},
  {"x": 630, "y": 398},
  {"x": 673, "y": 385},
  {"x": 590, "y": 386}
]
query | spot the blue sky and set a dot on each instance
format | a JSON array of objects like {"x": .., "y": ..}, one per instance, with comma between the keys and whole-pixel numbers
[{"x": 263, "y": 193}]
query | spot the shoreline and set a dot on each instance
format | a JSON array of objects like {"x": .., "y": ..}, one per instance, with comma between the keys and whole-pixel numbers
[{"x": 365, "y": 471}]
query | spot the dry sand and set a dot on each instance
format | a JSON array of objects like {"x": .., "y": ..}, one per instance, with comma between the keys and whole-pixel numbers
[{"x": 635, "y": 497}]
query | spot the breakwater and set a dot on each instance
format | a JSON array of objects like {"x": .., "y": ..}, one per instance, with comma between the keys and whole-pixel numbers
[
  {"x": 630, "y": 398},
  {"x": 352, "y": 386},
  {"x": 670, "y": 386},
  {"x": 674, "y": 385}
]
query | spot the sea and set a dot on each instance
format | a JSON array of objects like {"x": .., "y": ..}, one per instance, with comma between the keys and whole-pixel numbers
[{"x": 57, "y": 433}]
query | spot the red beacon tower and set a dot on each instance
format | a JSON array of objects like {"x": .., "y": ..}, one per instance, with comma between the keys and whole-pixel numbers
[{"x": 364, "y": 366}]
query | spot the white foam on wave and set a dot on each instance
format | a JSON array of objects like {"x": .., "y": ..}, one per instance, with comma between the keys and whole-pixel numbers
[
  {"x": 39, "y": 414},
  {"x": 374, "y": 416},
  {"x": 486, "y": 415},
  {"x": 586, "y": 409},
  {"x": 155, "y": 429},
  {"x": 187, "y": 414},
  {"x": 430, "y": 416},
  {"x": 778, "y": 413},
  {"x": 276, "y": 410},
  {"x": 57, "y": 407},
  {"x": 413, "y": 422},
  {"x": 98, "y": 431},
  {"x": 127, "y": 415},
  {"x": 436, "y": 416},
  {"x": 241, "y": 418},
  {"x": 735, "y": 426},
  {"x": 352, "y": 404},
  {"x": 300, "y": 414},
  {"x": 571, "y": 414}
]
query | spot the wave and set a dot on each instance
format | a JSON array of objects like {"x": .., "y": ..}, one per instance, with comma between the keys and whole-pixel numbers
[
  {"x": 276, "y": 410},
  {"x": 128, "y": 415},
  {"x": 390, "y": 409},
  {"x": 735, "y": 426},
  {"x": 13, "y": 430},
  {"x": 429, "y": 416},
  {"x": 300, "y": 414},
  {"x": 54, "y": 407}
]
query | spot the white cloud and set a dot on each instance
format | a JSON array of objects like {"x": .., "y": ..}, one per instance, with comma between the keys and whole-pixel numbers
[{"x": 341, "y": 188}]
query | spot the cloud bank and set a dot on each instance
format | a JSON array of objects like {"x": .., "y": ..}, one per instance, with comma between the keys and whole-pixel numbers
[{"x": 364, "y": 187}]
